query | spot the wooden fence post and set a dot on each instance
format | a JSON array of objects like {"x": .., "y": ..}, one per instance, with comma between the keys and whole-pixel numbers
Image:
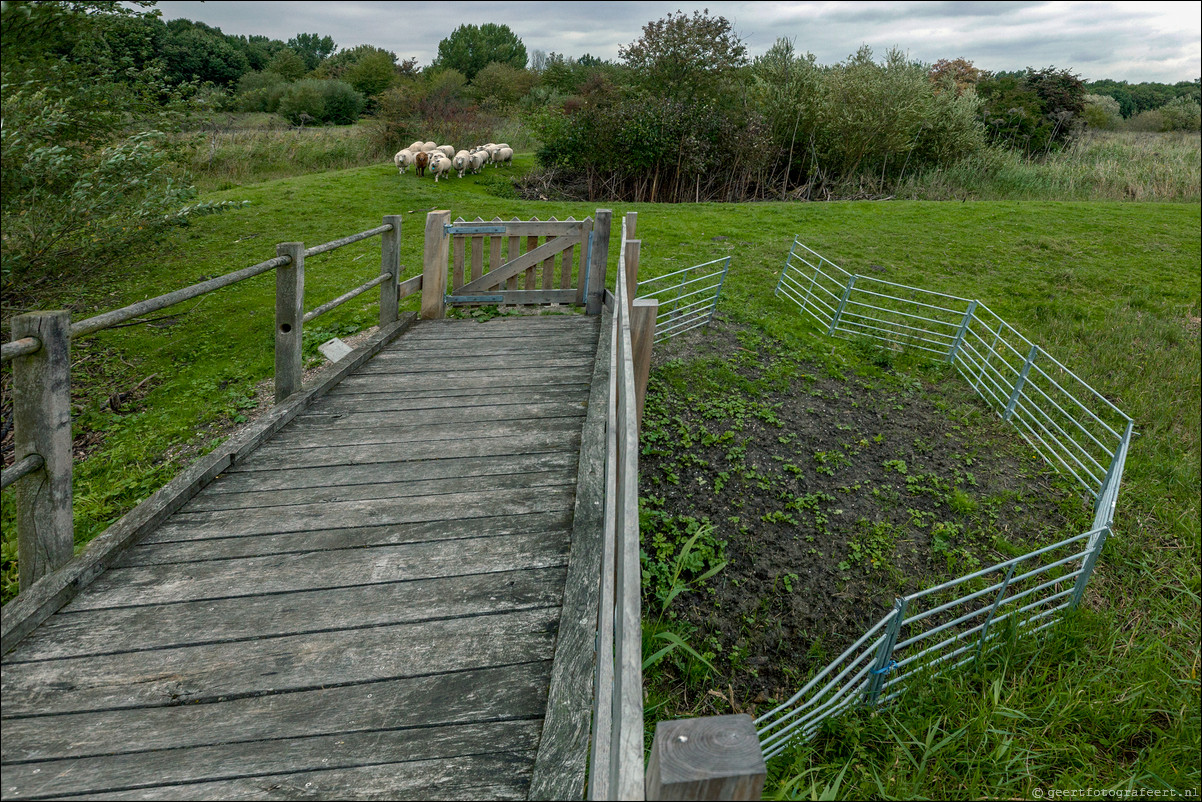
[
  {"x": 42, "y": 426},
  {"x": 289, "y": 319},
  {"x": 434, "y": 266},
  {"x": 642, "y": 337},
  {"x": 390, "y": 262},
  {"x": 598, "y": 261},
  {"x": 716, "y": 757},
  {"x": 632, "y": 220},
  {"x": 632, "y": 270}
]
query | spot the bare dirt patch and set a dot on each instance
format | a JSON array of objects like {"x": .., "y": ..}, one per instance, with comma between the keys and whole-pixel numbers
[{"x": 828, "y": 493}]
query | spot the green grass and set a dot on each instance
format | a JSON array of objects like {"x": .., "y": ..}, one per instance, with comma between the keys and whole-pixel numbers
[{"x": 1110, "y": 289}]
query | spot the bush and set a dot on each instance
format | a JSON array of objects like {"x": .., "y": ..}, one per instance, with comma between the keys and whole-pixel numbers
[
  {"x": 320, "y": 101},
  {"x": 1181, "y": 114},
  {"x": 1102, "y": 112},
  {"x": 260, "y": 92}
]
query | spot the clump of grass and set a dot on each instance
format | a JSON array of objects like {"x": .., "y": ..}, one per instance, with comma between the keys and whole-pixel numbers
[{"x": 1121, "y": 166}]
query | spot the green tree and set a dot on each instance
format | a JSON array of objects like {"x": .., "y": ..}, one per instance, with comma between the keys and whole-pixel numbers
[
  {"x": 470, "y": 49},
  {"x": 199, "y": 54},
  {"x": 288, "y": 65},
  {"x": 685, "y": 57},
  {"x": 500, "y": 85},
  {"x": 312, "y": 48}
]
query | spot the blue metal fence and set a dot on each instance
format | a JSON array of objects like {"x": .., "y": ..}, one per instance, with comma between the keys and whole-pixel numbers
[{"x": 1071, "y": 425}]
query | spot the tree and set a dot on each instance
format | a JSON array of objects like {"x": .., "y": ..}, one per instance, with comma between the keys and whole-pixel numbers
[
  {"x": 470, "y": 49},
  {"x": 685, "y": 57},
  {"x": 312, "y": 48},
  {"x": 960, "y": 72},
  {"x": 373, "y": 73},
  {"x": 197, "y": 54},
  {"x": 288, "y": 65},
  {"x": 500, "y": 85}
]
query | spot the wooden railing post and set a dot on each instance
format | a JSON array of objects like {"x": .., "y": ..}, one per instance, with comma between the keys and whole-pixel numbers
[
  {"x": 632, "y": 270},
  {"x": 716, "y": 757},
  {"x": 598, "y": 262},
  {"x": 390, "y": 262},
  {"x": 42, "y": 426},
  {"x": 434, "y": 266},
  {"x": 642, "y": 337},
  {"x": 289, "y": 319}
]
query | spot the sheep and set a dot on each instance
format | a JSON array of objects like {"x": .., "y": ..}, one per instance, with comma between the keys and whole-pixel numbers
[
  {"x": 415, "y": 147},
  {"x": 461, "y": 162},
  {"x": 403, "y": 159},
  {"x": 439, "y": 165},
  {"x": 478, "y": 159},
  {"x": 429, "y": 146},
  {"x": 446, "y": 149},
  {"x": 420, "y": 161},
  {"x": 505, "y": 155},
  {"x": 494, "y": 154}
]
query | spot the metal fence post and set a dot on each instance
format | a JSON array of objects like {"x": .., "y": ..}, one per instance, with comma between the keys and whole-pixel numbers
[
  {"x": 718, "y": 292},
  {"x": 785, "y": 269},
  {"x": 955, "y": 349},
  {"x": 289, "y": 318},
  {"x": 1110, "y": 470},
  {"x": 390, "y": 263},
  {"x": 884, "y": 655},
  {"x": 1087, "y": 567},
  {"x": 1019, "y": 382},
  {"x": 993, "y": 610},
  {"x": 842, "y": 303},
  {"x": 42, "y": 426}
]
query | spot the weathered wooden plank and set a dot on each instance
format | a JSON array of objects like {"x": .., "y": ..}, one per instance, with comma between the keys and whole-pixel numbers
[
  {"x": 294, "y": 458},
  {"x": 477, "y": 257},
  {"x": 126, "y": 629},
  {"x": 507, "y": 362},
  {"x": 432, "y": 399},
  {"x": 35, "y": 604},
  {"x": 543, "y": 296},
  {"x": 377, "y": 512},
  {"x": 170, "y": 552},
  {"x": 434, "y": 266},
  {"x": 512, "y": 251},
  {"x": 220, "y": 579},
  {"x": 214, "y": 672},
  {"x": 418, "y": 385},
  {"x": 420, "y": 470},
  {"x": 559, "y": 771},
  {"x": 503, "y": 377},
  {"x": 509, "y": 692},
  {"x": 572, "y": 340},
  {"x": 565, "y": 276},
  {"x": 598, "y": 260},
  {"x": 153, "y": 771},
  {"x": 494, "y": 253},
  {"x": 289, "y": 314},
  {"x": 355, "y": 431},
  {"x": 501, "y": 775},
  {"x": 527, "y": 261},
  {"x": 218, "y": 499},
  {"x": 531, "y": 247},
  {"x": 325, "y": 428},
  {"x": 457, "y": 247},
  {"x": 713, "y": 757}
]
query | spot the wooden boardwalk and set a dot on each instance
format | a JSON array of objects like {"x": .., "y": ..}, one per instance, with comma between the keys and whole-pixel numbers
[{"x": 365, "y": 607}]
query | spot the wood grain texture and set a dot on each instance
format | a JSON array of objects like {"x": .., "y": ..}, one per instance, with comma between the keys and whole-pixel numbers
[
  {"x": 133, "y": 629},
  {"x": 560, "y": 767},
  {"x": 262, "y": 763},
  {"x": 214, "y": 672},
  {"x": 714, "y": 757},
  {"x": 506, "y": 692}
]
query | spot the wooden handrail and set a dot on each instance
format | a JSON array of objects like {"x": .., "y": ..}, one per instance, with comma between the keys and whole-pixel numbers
[{"x": 41, "y": 354}]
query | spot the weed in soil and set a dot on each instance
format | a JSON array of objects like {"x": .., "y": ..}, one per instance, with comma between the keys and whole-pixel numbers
[{"x": 824, "y": 497}]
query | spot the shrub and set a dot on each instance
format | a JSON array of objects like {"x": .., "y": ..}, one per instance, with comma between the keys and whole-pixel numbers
[
  {"x": 260, "y": 92},
  {"x": 1102, "y": 112},
  {"x": 1181, "y": 114},
  {"x": 315, "y": 100}
]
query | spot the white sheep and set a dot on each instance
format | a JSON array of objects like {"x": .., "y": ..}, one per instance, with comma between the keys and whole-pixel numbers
[
  {"x": 440, "y": 165},
  {"x": 505, "y": 155},
  {"x": 447, "y": 150},
  {"x": 415, "y": 147},
  {"x": 478, "y": 159},
  {"x": 429, "y": 147},
  {"x": 403, "y": 159},
  {"x": 461, "y": 162}
]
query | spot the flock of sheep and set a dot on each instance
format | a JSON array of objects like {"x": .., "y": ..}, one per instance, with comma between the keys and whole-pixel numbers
[{"x": 442, "y": 159}]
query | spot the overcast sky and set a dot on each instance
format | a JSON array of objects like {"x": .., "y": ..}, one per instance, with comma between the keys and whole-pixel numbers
[{"x": 1136, "y": 41}]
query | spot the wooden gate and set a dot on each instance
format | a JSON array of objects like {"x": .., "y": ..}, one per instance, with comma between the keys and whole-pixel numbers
[{"x": 553, "y": 271}]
